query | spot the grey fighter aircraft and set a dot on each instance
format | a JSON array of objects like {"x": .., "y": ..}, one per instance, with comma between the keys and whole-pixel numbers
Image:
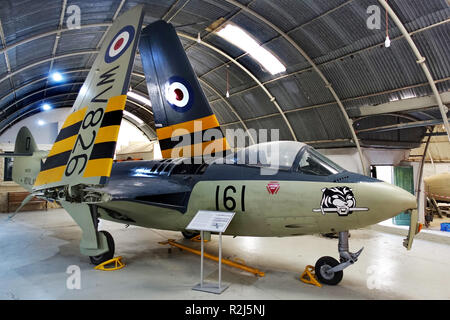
[{"x": 301, "y": 192}]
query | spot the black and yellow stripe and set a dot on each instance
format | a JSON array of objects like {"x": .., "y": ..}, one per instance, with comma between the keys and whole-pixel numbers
[
  {"x": 186, "y": 144},
  {"x": 102, "y": 153},
  {"x": 101, "y": 159},
  {"x": 53, "y": 168}
]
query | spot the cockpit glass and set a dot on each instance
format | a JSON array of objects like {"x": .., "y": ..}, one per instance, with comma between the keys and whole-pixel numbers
[
  {"x": 277, "y": 154},
  {"x": 313, "y": 163}
]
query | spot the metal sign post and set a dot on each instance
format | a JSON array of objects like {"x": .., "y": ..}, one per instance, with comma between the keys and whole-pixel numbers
[{"x": 212, "y": 221}]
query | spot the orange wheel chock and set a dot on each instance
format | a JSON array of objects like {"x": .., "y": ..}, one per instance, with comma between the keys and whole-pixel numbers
[
  {"x": 309, "y": 276},
  {"x": 118, "y": 264}
]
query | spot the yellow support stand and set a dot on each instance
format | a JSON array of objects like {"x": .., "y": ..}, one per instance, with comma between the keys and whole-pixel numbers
[
  {"x": 118, "y": 264},
  {"x": 197, "y": 239},
  {"x": 309, "y": 276},
  {"x": 230, "y": 263}
]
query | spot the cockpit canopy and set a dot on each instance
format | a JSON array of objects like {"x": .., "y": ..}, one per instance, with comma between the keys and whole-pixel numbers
[{"x": 285, "y": 155}]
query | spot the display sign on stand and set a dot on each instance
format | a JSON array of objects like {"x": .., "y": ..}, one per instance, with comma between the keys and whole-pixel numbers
[{"x": 210, "y": 221}]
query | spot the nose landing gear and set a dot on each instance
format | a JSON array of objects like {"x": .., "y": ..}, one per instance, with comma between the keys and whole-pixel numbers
[{"x": 328, "y": 270}]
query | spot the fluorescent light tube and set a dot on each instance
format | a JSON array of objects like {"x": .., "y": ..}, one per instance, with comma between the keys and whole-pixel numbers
[{"x": 237, "y": 36}]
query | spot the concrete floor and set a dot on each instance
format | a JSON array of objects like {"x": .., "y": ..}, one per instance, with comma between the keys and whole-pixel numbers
[{"x": 37, "y": 248}]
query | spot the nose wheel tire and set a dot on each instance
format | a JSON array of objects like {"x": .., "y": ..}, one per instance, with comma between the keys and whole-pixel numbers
[
  {"x": 96, "y": 260},
  {"x": 323, "y": 273}
]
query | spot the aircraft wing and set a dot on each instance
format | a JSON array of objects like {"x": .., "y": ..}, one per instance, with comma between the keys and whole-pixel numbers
[
  {"x": 84, "y": 148},
  {"x": 414, "y": 228}
]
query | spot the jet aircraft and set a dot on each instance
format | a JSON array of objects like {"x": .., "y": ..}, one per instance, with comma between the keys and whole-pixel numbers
[{"x": 289, "y": 190}]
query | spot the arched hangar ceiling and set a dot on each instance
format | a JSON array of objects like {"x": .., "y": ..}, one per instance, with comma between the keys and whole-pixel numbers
[{"x": 336, "y": 66}]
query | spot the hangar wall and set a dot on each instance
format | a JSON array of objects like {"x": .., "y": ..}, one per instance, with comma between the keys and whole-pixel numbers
[
  {"x": 44, "y": 132},
  {"x": 347, "y": 158}
]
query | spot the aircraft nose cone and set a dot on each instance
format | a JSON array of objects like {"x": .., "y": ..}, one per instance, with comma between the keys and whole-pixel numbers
[
  {"x": 407, "y": 199},
  {"x": 399, "y": 200},
  {"x": 379, "y": 201}
]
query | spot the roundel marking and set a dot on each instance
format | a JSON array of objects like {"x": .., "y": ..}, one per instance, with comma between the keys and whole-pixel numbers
[
  {"x": 179, "y": 94},
  {"x": 119, "y": 44}
]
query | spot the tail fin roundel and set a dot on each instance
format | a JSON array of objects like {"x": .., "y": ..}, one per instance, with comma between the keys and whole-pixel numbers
[{"x": 185, "y": 123}]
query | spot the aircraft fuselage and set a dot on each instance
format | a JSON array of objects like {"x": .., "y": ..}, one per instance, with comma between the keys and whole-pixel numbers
[{"x": 287, "y": 203}]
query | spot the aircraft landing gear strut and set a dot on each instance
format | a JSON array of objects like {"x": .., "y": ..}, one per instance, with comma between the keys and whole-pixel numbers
[{"x": 329, "y": 270}]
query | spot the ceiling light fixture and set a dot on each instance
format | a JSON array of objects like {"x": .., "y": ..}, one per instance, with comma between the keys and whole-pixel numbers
[
  {"x": 46, "y": 107},
  {"x": 240, "y": 38},
  {"x": 56, "y": 76},
  {"x": 387, "y": 42}
]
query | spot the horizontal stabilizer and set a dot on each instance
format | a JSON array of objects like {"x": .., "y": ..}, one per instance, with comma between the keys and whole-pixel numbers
[
  {"x": 15, "y": 155},
  {"x": 24, "y": 202}
]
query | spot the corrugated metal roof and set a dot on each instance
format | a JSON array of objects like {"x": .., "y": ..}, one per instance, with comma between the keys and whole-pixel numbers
[
  {"x": 251, "y": 104},
  {"x": 289, "y": 14},
  {"x": 266, "y": 125},
  {"x": 323, "y": 123},
  {"x": 302, "y": 90},
  {"x": 332, "y": 32},
  {"x": 22, "y": 19},
  {"x": 223, "y": 113}
]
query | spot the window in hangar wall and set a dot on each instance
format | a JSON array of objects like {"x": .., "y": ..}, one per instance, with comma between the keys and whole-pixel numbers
[{"x": 7, "y": 168}]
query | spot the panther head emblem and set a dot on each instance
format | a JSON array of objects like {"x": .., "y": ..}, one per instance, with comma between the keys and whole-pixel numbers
[{"x": 340, "y": 198}]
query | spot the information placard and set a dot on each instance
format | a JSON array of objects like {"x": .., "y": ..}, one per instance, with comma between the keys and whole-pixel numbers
[{"x": 212, "y": 221}]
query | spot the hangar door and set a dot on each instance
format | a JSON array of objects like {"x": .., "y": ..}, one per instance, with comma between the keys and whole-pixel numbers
[{"x": 403, "y": 178}]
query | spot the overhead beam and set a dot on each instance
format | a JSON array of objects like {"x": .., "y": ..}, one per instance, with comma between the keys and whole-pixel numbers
[
  {"x": 39, "y": 91},
  {"x": 34, "y": 64},
  {"x": 435, "y": 134},
  {"x": 16, "y": 116},
  {"x": 389, "y": 144},
  {"x": 401, "y": 105},
  {"x": 406, "y": 125}
]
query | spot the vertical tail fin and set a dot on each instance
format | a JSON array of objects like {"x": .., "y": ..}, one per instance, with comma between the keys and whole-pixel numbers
[
  {"x": 27, "y": 159},
  {"x": 181, "y": 109}
]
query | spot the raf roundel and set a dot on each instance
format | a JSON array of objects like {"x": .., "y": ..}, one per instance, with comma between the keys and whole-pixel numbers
[
  {"x": 179, "y": 94},
  {"x": 119, "y": 44}
]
